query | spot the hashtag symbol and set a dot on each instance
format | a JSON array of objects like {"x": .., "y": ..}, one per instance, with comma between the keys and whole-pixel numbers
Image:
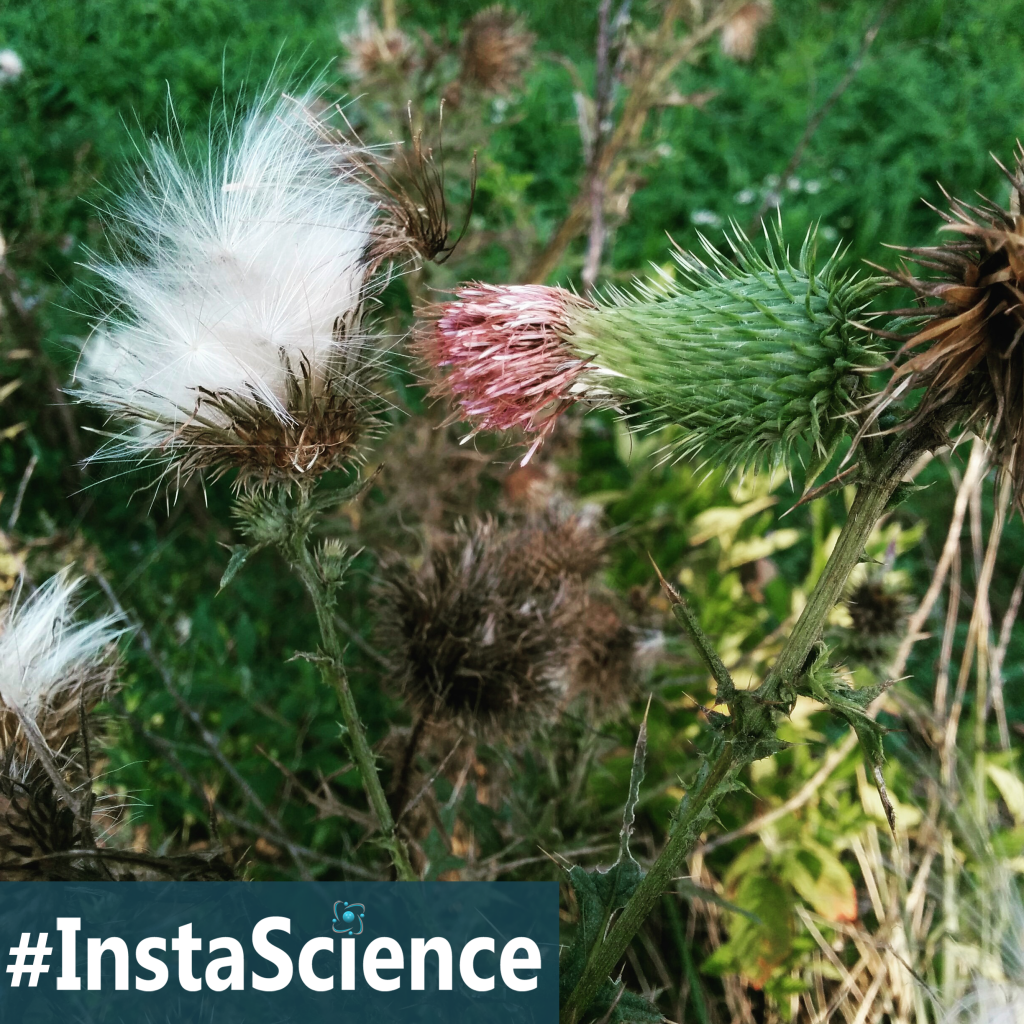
[{"x": 22, "y": 952}]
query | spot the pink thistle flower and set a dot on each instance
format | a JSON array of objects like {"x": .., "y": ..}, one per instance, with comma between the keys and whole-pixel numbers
[{"x": 509, "y": 362}]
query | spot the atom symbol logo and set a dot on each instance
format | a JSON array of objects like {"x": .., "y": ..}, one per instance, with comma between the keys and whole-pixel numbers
[{"x": 348, "y": 918}]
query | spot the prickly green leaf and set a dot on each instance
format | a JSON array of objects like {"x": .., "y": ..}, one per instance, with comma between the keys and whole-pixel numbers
[
  {"x": 636, "y": 778},
  {"x": 239, "y": 554},
  {"x": 825, "y": 685},
  {"x": 598, "y": 895},
  {"x": 617, "y": 1005}
]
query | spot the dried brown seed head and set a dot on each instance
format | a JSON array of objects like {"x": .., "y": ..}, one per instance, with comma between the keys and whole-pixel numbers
[
  {"x": 471, "y": 643},
  {"x": 965, "y": 346},
  {"x": 376, "y": 53},
  {"x": 496, "y": 50},
  {"x": 602, "y": 667}
]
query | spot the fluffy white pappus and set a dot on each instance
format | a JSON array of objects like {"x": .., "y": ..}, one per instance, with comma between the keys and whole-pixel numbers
[
  {"x": 249, "y": 281},
  {"x": 45, "y": 654}
]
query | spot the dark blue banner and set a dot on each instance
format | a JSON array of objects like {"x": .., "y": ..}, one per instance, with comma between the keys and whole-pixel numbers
[{"x": 272, "y": 953}]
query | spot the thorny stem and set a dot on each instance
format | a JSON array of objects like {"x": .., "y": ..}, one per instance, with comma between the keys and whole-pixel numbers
[
  {"x": 753, "y": 716},
  {"x": 332, "y": 669},
  {"x": 872, "y": 497}
]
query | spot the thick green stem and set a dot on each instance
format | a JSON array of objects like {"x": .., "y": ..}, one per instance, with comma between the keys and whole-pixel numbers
[
  {"x": 333, "y": 671},
  {"x": 290, "y": 527},
  {"x": 604, "y": 955},
  {"x": 756, "y": 722},
  {"x": 872, "y": 497}
]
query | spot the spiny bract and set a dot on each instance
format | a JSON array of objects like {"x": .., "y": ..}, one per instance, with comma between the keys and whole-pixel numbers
[{"x": 745, "y": 358}]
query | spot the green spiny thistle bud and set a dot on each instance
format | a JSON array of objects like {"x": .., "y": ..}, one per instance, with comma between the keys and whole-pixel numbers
[
  {"x": 333, "y": 560},
  {"x": 744, "y": 357}
]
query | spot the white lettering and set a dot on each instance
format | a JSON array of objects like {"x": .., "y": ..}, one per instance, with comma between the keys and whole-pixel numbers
[
  {"x": 184, "y": 945},
  {"x": 145, "y": 959},
  {"x": 277, "y": 956},
  {"x": 309, "y": 977},
  {"x": 372, "y": 962},
  {"x": 234, "y": 961},
  {"x": 348, "y": 965},
  {"x": 510, "y": 963},
  {"x": 467, "y": 969},
  {"x": 94, "y": 971},
  {"x": 418, "y": 956},
  {"x": 68, "y": 981}
]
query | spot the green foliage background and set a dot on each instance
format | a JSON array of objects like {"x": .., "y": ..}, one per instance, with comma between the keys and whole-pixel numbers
[{"x": 938, "y": 92}]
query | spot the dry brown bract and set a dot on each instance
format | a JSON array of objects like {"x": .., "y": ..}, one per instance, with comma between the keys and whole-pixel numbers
[
  {"x": 966, "y": 348},
  {"x": 407, "y": 180},
  {"x": 262, "y": 446},
  {"x": 411, "y": 192}
]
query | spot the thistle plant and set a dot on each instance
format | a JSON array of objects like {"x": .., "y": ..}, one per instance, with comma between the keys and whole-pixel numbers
[
  {"x": 239, "y": 343},
  {"x": 742, "y": 358},
  {"x": 53, "y": 669}
]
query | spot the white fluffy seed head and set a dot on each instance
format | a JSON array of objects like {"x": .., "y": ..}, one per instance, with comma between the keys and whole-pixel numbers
[
  {"x": 247, "y": 286},
  {"x": 46, "y": 657}
]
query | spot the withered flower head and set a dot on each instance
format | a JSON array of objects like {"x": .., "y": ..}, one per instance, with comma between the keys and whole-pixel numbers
[
  {"x": 495, "y": 50},
  {"x": 471, "y": 642},
  {"x": 876, "y": 610},
  {"x": 602, "y": 663},
  {"x": 376, "y": 53},
  {"x": 410, "y": 190},
  {"x": 554, "y": 549},
  {"x": 238, "y": 341},
  {"x": 965, "y": 349},
  {"x": 407, "y": 182},
  {"x": 739, "y": 34}
]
